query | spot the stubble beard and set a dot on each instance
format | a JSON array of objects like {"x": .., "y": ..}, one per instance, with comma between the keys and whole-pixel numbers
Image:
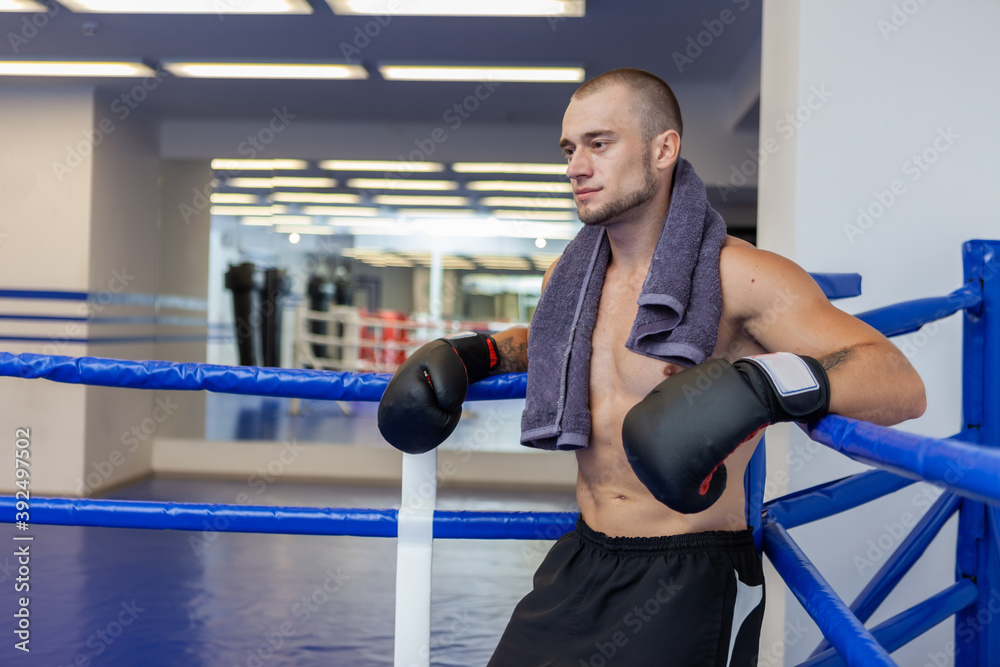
[{"x": 623, "y": 204}]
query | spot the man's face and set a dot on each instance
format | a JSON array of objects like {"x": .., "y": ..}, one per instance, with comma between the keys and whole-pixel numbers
[{"x": 609, "y": 163}]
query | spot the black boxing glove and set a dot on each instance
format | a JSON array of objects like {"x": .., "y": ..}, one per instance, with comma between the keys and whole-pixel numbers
[
  {"x": 422, "y": 403},
  {"x": 678, "y": 436}
]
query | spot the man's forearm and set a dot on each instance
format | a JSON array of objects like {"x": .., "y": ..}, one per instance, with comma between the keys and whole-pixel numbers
[
  {"x": 512, "y": 345},
  {"x": 874, "y": 382}
]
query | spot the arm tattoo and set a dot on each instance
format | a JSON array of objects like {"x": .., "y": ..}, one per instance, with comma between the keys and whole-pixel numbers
[
  {"x": 832, "y": 360},
  {"x": 513, "y": 356}
]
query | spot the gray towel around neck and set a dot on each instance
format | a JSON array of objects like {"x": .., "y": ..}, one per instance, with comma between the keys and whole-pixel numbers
[{"x": 677, "y": 321}]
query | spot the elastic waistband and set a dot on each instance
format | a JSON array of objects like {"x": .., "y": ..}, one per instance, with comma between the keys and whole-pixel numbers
[{"x": 713, "y": 541}]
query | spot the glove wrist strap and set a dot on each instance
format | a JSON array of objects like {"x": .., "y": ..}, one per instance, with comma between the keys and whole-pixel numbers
[
  {"x": 478, "y": 352},
  {"x": 794, "y": 388}
]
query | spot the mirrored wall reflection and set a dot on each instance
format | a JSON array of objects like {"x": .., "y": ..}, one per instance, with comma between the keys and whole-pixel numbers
[{"x": 349, "y": 264}]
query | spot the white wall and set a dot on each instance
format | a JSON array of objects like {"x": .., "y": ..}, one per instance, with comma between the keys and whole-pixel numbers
[{"x": 876, "y": 84}]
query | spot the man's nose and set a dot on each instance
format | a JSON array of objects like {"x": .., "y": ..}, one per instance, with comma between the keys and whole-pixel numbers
[{"x": 579, "y": 166}]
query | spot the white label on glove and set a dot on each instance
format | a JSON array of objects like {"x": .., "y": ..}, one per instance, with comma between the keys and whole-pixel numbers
[{"x": 789, "y": 372}]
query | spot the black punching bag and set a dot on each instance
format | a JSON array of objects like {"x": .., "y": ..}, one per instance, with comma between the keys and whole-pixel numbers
[
  {"x": 319, "y": 301},
  {"x": 239, "y": 279},
  {"x": 270, "y": 321}
]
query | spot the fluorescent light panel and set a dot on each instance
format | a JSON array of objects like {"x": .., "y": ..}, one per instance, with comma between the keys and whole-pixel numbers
[
  {"x": 22, "y": 6},
  {"x": 528, "y": 202},
  {"x": 247, "y": 210},
  {"x": 232, "y": 198},
  {"x": 381, "y": 165},
  {"x": 304, "y": 229},
  {"x": 341, "y": 211},
  {"x": 400, "y": 184},
  {"x": 520, "y": 186},
  {"x": 222, "y": 70},
  {"x": 515, "y": 214},
  {"x": 316, "y": 197},
  {"x": 188, "y": 6},
  {"x": 551, "y": 8},
  {"x": 92, "y": 68},
  {"x": 509, "y": 168},
  {"x": 416, "y": 200},
  {"x": 432, "y": 212},
  {"x": 252, "y": 165},
  {"x": 281, "y": 182},
  {"x": 491, "y": 74}
]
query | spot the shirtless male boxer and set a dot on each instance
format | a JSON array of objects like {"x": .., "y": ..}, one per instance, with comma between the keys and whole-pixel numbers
[{"x": 662, "y": 538}]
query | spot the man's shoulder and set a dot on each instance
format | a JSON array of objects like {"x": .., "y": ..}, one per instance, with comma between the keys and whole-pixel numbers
[{"x": 751, "y": 278}]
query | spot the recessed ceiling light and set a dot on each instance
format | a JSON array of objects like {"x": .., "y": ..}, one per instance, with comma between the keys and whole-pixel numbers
[
  {"x": 294, "y": 237},
  {"x": 416, "y": 200},
  {"x": 509, "y": 168},
  {"x": 224, "y": 70},
  {"x": 520, "y": 186},
  {"x": 515, "y": 214},
  {"x": 251, "y": 165},
  {"x": 94, "y": 68},
  {"x": 22, "y": 6},
  {"x": 529, "y": 202},
  {"x": 247, "y": 210},
  {"x": 400, "y": 184},
  {"x": 303, "y": 229},
  {"x": 232, "y": 198},
  {"x": 317, "y": 197},
  {"x": 381, "y": 165},
  {"x": 431, "y": 212},
  {"x": 188, "y": 6},
  {"x": 341, "y": 211},
  {"x": 486, "y": 74},
  {"x": 281, "y": 182},
  {"x": 550, "y": 8}
]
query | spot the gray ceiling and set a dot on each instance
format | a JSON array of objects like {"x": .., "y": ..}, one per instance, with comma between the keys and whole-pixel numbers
[{"x": 635, "y": 33}]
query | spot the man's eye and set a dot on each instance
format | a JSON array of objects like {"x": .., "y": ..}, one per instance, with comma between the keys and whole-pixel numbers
[{"x": 599, "y": 144}]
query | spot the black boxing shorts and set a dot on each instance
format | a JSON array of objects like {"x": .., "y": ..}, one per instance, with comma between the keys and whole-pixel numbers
[{"x": 687, "y": 600}]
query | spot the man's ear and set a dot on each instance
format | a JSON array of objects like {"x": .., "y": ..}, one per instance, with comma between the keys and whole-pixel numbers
[{"x": 667, "y": 149}]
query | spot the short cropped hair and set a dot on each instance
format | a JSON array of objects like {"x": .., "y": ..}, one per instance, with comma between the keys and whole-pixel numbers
[{"x": 652, "y": 99}]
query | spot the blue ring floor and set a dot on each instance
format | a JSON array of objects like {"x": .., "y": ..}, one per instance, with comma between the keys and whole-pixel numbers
[{"x": 150, "y": 598}]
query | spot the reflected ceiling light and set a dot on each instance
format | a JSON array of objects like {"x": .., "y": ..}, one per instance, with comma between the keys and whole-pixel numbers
[
  {"x": 247, "y": 210},
  {"x": 250, "y": 165},
  {"x": 509, "y": 168},
  {"x": 233, "y": 198},
  {"x": 96, "y": 68},
  {"x": 188, "y": 6},
  {"x": 380, "y": 165},
  {"x": 281, "y": 182},
  {"x": 224, "y": 70},
  {"x": 432, "y": 212},
  {"x": 516, "y": 214},
  {"x": 351, "y": 222},
  {"x": 317, "y": 197},
  {"x": 348, "y": 211},
  {"x": 485, "y": 74},
  {"x": 400, "y": 184},
  {"x": 521, "y": 186},
  {"x": 550, "y": 8},
  {"x": 304, "y": 229},
  {"x": 303, "y": 182},
  {"x": 417, "y": 200},
  {"x": 529, "y": 202},
  {"x": 22, "y": 6}
]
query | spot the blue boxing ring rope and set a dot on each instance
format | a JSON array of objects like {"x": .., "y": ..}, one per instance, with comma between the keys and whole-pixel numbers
[{"x": 966, "y": 465}]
